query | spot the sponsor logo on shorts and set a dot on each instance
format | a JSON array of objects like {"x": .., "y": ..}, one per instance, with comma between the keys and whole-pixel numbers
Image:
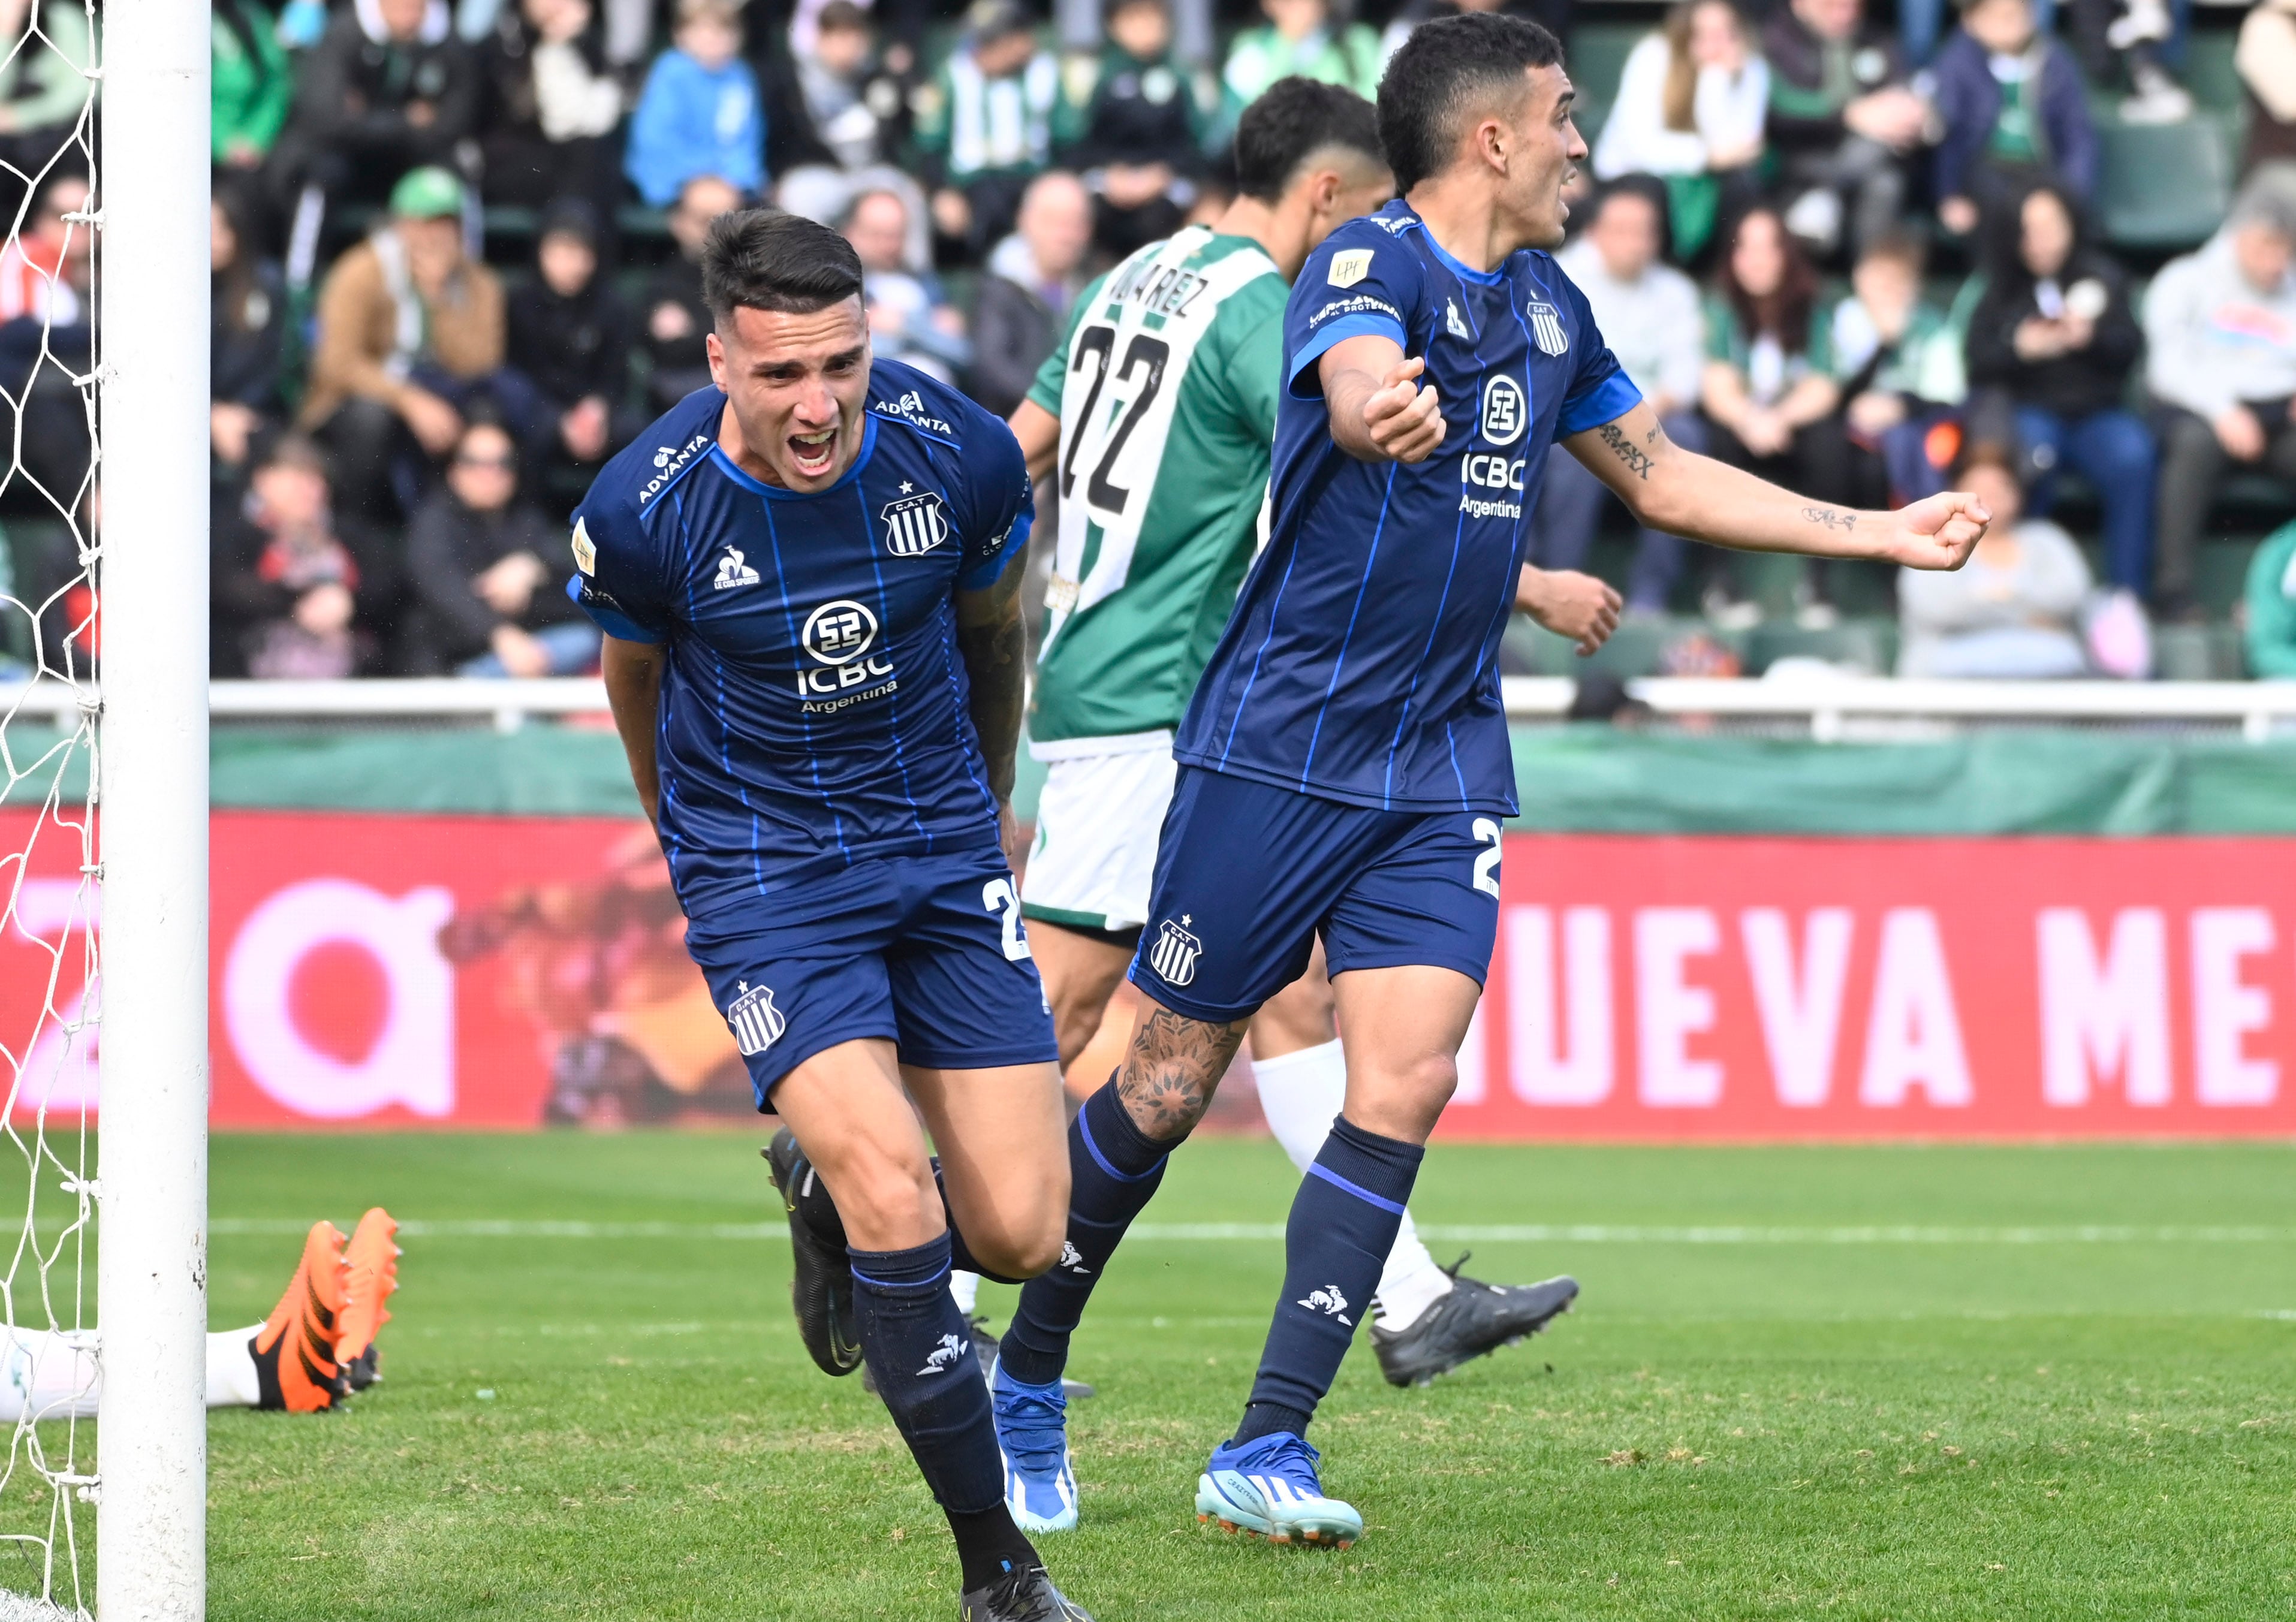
[
  {"x": 1546, "y": 328},
  {"x": 1174, "y": 954},
  {"x": 755, "y": 1022},
  {"x": 1329, "y": 1301},
  {"x": 916, "y": 524}
]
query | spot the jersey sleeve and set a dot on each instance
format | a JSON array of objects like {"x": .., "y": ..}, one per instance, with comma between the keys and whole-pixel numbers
[
  {"x": 1359, "y": 283},
  {"x": 1599, "y": 389},
  {"x": 620, "y": 578},
  {"x": 1252, "y": 370},
  {"x": 1001, "y": 507},
  {"x": 1045, "y": 391}
]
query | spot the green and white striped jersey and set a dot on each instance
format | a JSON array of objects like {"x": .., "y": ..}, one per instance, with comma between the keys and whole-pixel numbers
[{"x": 1166, "y": 387}]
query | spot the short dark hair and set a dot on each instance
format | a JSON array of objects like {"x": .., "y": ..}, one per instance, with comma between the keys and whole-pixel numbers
[
  {"x": 764, "y": 259},
  {"x": 1447, "y": 69},
  {"x": 1293, "y": 119}
]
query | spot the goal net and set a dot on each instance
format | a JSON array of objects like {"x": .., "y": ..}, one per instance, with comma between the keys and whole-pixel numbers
[{"x": 49, "y": 1350}]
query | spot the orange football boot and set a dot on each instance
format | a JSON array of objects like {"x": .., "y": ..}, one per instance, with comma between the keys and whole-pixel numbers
[
  {"x": 373, "y": 1257},
  {"x": 295, "y": 1348}
]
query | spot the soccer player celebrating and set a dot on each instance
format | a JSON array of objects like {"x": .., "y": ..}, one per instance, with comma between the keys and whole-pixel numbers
[
  {"x": 808, "y": 576},
  {"x": 1156, "y": 414},
  {"x": 1344, "y": 765}
]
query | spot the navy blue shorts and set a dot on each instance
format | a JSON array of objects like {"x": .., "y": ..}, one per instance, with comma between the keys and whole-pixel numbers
[
  {"x": 928, "y": 951},
  {"x": 1248, "y": 876}
]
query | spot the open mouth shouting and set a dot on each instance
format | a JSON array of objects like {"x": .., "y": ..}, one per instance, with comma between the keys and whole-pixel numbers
[{"x": 813, "y": 454}]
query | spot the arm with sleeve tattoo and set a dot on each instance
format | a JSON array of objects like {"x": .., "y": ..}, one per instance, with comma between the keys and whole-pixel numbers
[
  {"x": 1680, "y": 493},
  {"x": 995, "y": 647}
]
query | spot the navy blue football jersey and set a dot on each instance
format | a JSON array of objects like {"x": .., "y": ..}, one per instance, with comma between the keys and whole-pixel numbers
[
  {"x": 1362, "y": 660},
  {"x": 813, "y": 711}
]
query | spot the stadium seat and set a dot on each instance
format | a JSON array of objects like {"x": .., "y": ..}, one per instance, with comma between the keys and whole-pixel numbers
[
  {"x": 2209, "y": 72},
  {"x": 2163, "y": 186},
  {"x": 2197, "y": 653},
  {"x": 1868, "y": 645}
]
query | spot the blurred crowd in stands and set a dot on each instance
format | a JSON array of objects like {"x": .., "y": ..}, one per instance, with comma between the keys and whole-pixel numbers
[{"x": 1869, "y": 254}]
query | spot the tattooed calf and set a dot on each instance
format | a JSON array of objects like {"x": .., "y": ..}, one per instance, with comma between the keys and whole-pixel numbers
[{"x": 1175, "y": 1066}]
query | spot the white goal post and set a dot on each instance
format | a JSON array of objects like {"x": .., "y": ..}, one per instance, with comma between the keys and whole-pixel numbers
[{"x": 151, "y": 358}]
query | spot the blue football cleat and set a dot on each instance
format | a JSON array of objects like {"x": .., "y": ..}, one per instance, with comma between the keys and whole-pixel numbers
[
  {"x": 1032, "y": 1433},
  {"x": 1270, "y": 1487}
]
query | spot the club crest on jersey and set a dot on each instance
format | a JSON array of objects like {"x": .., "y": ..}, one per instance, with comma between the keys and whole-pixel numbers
[
  {"x": 1546, "y": 328},
  {"x": 733, "y": 570},
  {"x": 1452, "y": 324},
  {"x": 1174, "y": 954},
  {"x": 916, "y": 524},
  {"x": 1506, "y": 412},
  {"x": 1349, "y": 267},
  {"x": 755, "y": 1022}
]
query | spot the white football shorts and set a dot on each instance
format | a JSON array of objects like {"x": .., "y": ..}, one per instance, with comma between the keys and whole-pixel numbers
[{"x": 1094, "y": 856}]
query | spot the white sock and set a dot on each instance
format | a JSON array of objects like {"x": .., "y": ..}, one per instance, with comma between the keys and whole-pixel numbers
[
  {"x": 48, "y": 1374},
  {"x": 231, "y": 1379},
  {"x": 1300, "y": 1093},
  {"x": 965, "y": 1287}
]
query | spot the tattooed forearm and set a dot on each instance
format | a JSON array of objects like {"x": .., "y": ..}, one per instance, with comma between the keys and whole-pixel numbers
[
  {"x": 1637, "y": 460},
  {"x": 995, "y": 655},
  {"x": 1174, "y": 1067},
  {"x": 1831, "y": 517}
]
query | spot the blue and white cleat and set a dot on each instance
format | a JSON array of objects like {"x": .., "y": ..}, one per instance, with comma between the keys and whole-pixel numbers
[
  {"x": 1032, "y": 1433},
  {"x": 1270, "y": 1487}
]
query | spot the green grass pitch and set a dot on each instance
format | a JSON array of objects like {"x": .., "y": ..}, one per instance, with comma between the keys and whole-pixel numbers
[{"x": 1999, "y": 1415}]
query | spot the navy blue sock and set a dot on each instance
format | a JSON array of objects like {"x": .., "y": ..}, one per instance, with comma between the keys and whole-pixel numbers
[
  {"x": 1113, "y": 1171},
  {"x": 920, "y": 1350},
  {"x": 1343, "y": 1224}
]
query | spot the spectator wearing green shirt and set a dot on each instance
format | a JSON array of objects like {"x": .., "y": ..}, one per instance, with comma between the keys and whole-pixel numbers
[
  {"x": 1897, "y": 359},
  {"x": 984, "y": 125},
  {"x": 1140, "y": 128},
  {"x": 2012, "y": 111},
  {"x": 2271, "y": 628},
  {"x": 254, "y": 86},
  {"x": 1300, "y": 36},
  {"x": 1768, "y": 387},
  {"x": 45, "y": 48}
]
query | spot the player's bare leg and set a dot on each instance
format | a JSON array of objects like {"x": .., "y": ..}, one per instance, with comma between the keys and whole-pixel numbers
[
  {"x": 1081, "y": 973},
  {"x": 1003, "y": 1160},
  {"x": 863, "y": 1183}
]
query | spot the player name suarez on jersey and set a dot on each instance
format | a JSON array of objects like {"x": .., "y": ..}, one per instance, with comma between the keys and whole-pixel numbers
[
  {"x": 1361, "y": 663},
  {"x": 813, "y": 704}
]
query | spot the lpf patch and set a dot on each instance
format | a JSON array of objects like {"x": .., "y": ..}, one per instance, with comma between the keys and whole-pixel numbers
[
  {"x": 916, "y": 524},
  {"x": 585, "y": 555},
  {"x": 1349, "y": 267},
  {"x": 755, "y": 1022},
  {"x": 1546, "y": 328},
  {"x": 1174, "y": 955}
]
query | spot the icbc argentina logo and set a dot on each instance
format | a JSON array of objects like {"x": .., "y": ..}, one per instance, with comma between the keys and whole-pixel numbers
[{"x": 839, "y": 635}]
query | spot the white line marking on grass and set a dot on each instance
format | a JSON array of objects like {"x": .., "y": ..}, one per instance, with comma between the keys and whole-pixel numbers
[{"x": 1582, "y": 1233}]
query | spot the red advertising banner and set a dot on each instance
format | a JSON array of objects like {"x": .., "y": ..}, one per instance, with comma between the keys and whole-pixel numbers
[
  {"x": 1769, "y": 988},
  {"x": 389, "y": 970}
]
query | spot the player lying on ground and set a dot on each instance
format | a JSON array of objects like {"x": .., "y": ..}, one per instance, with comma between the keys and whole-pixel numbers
[
  {"x": 1156, "y": 414},
  {"x": 808, "y": 576},
  {"x": 1344, "y": 763},
  {"x": 315, "y": 1348}
]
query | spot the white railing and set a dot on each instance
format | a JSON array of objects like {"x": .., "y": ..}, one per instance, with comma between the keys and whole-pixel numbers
[{"x": 1834, "y": 706}]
